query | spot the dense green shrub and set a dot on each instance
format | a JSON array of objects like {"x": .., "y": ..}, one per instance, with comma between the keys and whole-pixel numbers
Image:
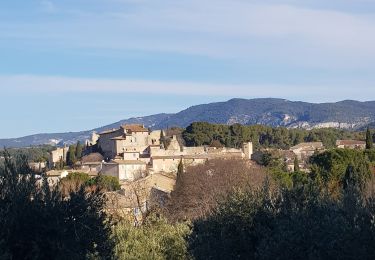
[
  {"x": 38, "y": 222},
  {"x": 108, "y": 183},
  {"x": 301, "y": 223},
  {"x": 156, "y": 239},
  {"x": 331, "y": 167}
]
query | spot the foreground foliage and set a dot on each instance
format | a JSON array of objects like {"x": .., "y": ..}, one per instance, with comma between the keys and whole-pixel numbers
[
  {"x": 155, "y": 239},
  {"x": 225, "y": 209},
  {"x": 289, "y": 224},
  {"x": 37, "y": 222}
]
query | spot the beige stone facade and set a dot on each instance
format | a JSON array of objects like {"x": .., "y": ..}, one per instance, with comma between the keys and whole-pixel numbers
[
  {"x": 303, "y": 151},
  {"x": 57, "y": 155},
  {"x": 125, "y": 170},
  {"x": 169, "y": 164},
  {"x": 128, "y": 138}
]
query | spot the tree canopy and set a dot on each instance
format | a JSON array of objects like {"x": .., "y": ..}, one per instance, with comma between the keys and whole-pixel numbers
[{"x": 201, "y": 133}]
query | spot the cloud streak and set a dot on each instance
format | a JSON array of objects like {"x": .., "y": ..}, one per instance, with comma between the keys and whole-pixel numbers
[
  {"x": 227, "y": 29},
  {"x": 28, "y": 84}
]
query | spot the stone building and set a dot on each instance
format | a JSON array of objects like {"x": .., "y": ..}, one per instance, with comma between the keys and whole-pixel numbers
[
  {"x": 128, "y": 138},
  {"x": 57, "y": 155},
  {"x": 133, "y": 151},
  {"x": 125, "y": 170},
  {"x": 303, "y": 151}
]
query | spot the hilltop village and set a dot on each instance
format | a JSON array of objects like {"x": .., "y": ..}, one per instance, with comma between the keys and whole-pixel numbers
[{"x": 133, "y": 151}]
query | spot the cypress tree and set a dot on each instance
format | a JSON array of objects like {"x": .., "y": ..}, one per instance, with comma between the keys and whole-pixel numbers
[
  {"x": 163, "y": 140},
  {"x": 369, "y": 141},
  {"x": 79, "y": 150},
  {"x": 72, "y": 155}
]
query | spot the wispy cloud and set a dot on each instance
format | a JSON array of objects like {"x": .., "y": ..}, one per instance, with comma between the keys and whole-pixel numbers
[
  {"x": 28, "y": 84},
  {"x": 229, "y": 29}
]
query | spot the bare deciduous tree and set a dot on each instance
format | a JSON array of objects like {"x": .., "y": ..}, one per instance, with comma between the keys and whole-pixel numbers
[{"x": 198, "y": 189}]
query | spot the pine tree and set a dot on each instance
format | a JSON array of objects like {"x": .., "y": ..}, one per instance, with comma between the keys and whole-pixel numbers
[
  {"x": 369, "y": 141},
  {"x": 296, "y": 165}
]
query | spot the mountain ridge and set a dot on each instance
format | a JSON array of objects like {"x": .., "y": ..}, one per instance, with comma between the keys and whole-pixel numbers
[{"x": 275, "y": 112}]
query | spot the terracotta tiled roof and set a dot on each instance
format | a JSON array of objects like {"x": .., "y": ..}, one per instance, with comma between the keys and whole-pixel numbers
[
  {"x": 135, "y": 128},
  {"x": 311, "y": 145},
  {"x": 350, "y": 142}
]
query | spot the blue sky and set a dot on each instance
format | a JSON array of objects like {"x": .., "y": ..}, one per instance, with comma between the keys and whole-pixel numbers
[{"x": 69, "y": 65}]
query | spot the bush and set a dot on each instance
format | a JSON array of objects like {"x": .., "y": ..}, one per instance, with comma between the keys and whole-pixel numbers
[
  {"x": 37, "y": 222},
  {"x": 73, "y": 182},
  {"x": 370, "y": 153},
  {"x": 107, "y": 183},
  {"x": 156, "y": 239},
  {"x": 330, "y": 168},
  {"x": 300, "y": 223}
]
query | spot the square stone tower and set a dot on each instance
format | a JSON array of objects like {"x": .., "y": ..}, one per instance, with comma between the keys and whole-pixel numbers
[{"x": 247, "y": 149}]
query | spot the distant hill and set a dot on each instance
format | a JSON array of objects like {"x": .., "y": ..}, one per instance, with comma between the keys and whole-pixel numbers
[
  {"x": 278, "y": 112},
  {"x": 346, "y": 114},
  {"x": 73, "y": 137}
]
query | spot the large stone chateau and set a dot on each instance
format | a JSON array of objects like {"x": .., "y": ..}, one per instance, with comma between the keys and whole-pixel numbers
[{"x": 133, "y": 151}]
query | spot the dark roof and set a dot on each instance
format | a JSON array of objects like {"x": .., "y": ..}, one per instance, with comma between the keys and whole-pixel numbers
[
  {"x": 118, "y": 138},
  {"x": 92, "y": 157},
  {"x": 108, "y": 131}
]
